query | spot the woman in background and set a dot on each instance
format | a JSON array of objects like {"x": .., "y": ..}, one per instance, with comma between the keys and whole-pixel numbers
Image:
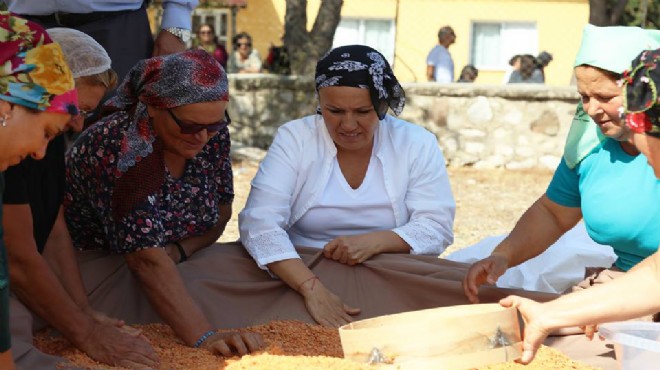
[
  {"x": 208, "y": 41},
  {"x": 528, "y": 72},
  {"x": 244, "y": 59}
]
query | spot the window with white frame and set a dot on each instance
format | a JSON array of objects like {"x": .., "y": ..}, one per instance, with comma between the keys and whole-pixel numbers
[
  {"x": 377, "y": 33},
  {"x": 494, "y": 43},
  {"x": 219, "y": 18}
]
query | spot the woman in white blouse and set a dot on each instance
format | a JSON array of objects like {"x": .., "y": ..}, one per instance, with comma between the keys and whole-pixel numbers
[{"x": 350, "y": 180}]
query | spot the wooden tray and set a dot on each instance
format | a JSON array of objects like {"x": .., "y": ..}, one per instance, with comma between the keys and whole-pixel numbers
[{"x": 457, "y": 337}]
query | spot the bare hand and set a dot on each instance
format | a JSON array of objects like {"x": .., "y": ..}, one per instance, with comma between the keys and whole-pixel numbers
[
  {"x": 535, "y": 330},
  {"x": 488, "y": 270},
  {"x": 590, "y": 330},
  {"x": 118, "y": 347},
  {"x": 166, "y": 43},
  {"x": 226, "y": 344},
  {"x": 350, "y": 250},
  {"x": 325, "y": 307}
]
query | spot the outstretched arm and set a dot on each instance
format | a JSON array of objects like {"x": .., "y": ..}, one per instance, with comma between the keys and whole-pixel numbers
[
  {"x": 61, "y": 257},
  {"x": 35, "y": 284},
  {"x": 165, "y": 290},
  {"x": 324, "y": 306},
  {"x": 540, "y": 226},
  {"x": 620, "y": 299}
]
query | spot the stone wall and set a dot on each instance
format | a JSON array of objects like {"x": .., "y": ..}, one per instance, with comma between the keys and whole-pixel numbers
[{"x": 515, "y": 126}]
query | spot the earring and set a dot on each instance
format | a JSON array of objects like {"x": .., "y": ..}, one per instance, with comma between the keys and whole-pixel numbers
[{"x": 3, "y": 120}]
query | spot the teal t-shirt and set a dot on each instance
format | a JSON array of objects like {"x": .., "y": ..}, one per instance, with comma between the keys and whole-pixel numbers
[
  {"x": 5, "y": 342},
  {"x": 618, "y": 194}
]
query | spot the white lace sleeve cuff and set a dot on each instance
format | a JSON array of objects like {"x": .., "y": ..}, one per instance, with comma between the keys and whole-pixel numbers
[
  {"x": 269, "y": 247},
  {"x": 423, "y": 237}
]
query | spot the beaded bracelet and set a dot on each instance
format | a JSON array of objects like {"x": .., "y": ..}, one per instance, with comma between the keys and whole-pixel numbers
[{"x": 203, "y": 338}]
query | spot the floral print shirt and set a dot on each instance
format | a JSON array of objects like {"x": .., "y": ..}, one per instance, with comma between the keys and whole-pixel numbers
[{"x": 181, "y": 208}]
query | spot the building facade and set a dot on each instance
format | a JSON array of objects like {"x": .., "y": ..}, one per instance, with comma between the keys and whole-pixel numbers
[{"x": 488, "y": 32}]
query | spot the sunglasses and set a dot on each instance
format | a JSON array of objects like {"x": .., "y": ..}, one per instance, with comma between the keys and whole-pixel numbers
[
  {"x": 189, "y": 128},
  {"x": 244, "y": 44}
]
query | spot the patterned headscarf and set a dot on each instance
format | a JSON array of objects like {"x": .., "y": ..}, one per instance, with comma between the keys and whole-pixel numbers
[
  {"x": 641, "y": 101},
  {"x": 164, "y": 82},
  {"x": 363, "y": 67},
  {"x": 33, "y": 72}
]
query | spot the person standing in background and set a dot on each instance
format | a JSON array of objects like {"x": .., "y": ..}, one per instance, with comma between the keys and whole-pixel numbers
[
  {"x": 439, "y": 64},
  {"x": 243, "y": 59},
  {"x": 542, "y": 60},
  {"x": 514, "y": 65},
  {"x": 208, "y": 40},
  {"x": 121, "y": 27},
  {"x": 469, "y": 73},
  {"x": 528, "y": 72}
]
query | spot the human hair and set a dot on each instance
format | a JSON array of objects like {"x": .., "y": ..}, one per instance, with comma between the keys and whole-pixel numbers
[
  {"x": 527, "y": 66},
  {"x": 514, "y": 59},
  {"x": 444, "y": 33},
  {"x": 238, "y": 36},
  {"x": 544, "y": 58},
  {"x": 469, "y": 73},
  {"x": 107, "y": 78},
  {"x": 209, "y": 25}
]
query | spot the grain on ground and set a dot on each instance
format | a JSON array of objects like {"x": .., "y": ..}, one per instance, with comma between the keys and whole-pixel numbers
[{"x": 291, "y": 345}]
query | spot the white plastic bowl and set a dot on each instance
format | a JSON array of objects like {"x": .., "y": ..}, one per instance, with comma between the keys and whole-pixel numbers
[{"x": 636, "y": 343}]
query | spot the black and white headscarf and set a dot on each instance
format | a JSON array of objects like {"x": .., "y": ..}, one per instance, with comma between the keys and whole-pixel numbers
[{"x": 363, "y": 67}]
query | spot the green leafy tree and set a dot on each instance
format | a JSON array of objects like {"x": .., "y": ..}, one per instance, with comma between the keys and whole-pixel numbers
[{"x": 642, "y": 13}]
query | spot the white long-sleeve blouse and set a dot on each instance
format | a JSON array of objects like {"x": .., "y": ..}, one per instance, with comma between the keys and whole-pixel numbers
[{"x": 298, "y": 165}]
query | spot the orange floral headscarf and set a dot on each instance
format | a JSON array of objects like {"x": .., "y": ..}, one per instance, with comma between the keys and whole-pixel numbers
[{"x": 33, "y": 71}]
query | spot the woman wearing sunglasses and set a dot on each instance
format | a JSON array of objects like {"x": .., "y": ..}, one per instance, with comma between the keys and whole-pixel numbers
[
  {"x": 244, "y": 59},
  {"x": 151, "y": 182}
]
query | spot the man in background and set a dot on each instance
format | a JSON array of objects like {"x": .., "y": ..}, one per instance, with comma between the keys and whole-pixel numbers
[{"x": 439, "y": 64}]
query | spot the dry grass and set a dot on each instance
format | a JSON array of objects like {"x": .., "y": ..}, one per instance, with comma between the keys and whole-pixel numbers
[{"x": 488, "y": 202}]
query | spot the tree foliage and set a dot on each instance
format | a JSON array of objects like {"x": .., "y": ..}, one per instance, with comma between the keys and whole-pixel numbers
[
  {"x": 642, "y": 13},
  {"x": 305, "y": 47}
]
